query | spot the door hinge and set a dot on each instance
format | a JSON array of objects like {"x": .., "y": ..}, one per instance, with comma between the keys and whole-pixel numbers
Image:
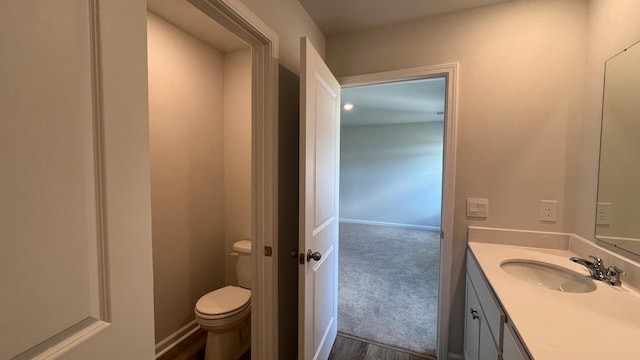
[{"x": 268, "y": 251}]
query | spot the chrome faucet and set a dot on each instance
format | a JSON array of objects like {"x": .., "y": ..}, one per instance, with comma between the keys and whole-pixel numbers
[{"x": 596, "y": 269}]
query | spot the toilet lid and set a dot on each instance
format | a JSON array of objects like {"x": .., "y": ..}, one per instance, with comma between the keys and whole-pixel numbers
[
  {"x": 243, "y": 246},
  {"x": 221, "y": 301}
]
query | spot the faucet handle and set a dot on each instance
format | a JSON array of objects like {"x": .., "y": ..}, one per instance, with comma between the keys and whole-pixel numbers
[
  {"x": 613, "y": 275},
  {"x": 596, "y": 261}
]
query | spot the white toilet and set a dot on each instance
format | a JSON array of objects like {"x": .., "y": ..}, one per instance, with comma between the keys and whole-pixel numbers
[{"x": 225, "y": 313}]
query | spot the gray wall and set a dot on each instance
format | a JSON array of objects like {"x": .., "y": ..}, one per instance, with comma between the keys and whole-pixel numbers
[{"x": 391, "y": 173}]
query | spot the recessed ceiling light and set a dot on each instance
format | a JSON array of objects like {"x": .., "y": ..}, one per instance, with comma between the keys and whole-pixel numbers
[{"x": 348, "y": 106}]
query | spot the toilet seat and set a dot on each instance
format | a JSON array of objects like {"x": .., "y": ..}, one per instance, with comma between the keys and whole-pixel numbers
[{"x": 223, "y": 303}]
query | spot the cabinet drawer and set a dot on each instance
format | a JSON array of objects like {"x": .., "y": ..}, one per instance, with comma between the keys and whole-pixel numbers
[{"x": 494, "y": 315}]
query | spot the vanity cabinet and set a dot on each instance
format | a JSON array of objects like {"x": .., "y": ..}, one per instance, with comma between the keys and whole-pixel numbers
[{"x": 488, "y": 333}]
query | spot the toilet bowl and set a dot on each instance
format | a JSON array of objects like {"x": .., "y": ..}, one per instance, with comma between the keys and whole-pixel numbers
[{"x": 225, "y": 313}]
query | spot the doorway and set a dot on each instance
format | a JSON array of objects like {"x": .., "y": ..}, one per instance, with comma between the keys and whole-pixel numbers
[
  {"x": 448, "y": 71},
  {"x": 200, "y": 151},
  {"x": 392, "y": 138},
  {"x": 210, "y": 79}
]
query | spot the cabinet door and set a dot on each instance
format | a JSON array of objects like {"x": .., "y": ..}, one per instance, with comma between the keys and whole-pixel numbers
[
  {"x": 478, "y": 342},
  {"x": 486, "y": 346},
  {"x": 512, "y": 348},
  {"x": 471, "y": 323},
  {"x": 494, "y": 317}
]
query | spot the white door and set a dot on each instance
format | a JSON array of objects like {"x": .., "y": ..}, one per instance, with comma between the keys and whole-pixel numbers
[
  {"x": 75, "y": 238},
  {"x": 319, "y": 166}
]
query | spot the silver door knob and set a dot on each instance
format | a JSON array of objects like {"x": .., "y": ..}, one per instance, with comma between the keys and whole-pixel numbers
[{"x": 313, "y": 255}]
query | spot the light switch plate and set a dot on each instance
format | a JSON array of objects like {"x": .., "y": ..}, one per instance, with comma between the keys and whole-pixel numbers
[{"x": 478, "y": 207}]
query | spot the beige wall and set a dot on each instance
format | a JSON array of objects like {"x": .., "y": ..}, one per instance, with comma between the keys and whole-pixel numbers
[
  {"x": 521, "y": 78},
  {"x": 200, "y": 140},
  {"x": 237, "y": 154},
  {"x": 613, "y": 26},
  {"x": 290, "y": 21}
]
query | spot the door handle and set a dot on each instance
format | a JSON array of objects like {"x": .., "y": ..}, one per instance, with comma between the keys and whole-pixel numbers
[{"x": 313, "y": 255}]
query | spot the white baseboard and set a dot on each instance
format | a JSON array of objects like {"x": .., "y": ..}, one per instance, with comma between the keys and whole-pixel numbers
[
  {"x": 452, "y": 356},
  {"x": 380, "y": 223},
  {"x": 176, "y": 338}
]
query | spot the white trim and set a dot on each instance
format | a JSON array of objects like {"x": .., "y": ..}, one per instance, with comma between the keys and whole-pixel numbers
[
  {"x": 176, "y": 338},
  {"x": 451, "y": 71},
  {"x": 64, "y": 341},
  {"x": 615, "y": 238},
  {"x": 101, "y": 272},
  {"x": 398, "y": 75},
  {"x": 237, "y": 18},
  {"x": 454, "y": 356},
  {"x": 254, "y": 22},
  {"x": 382, "y": 223}
]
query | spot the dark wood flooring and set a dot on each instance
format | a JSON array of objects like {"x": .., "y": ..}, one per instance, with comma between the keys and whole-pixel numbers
[
  {"x": 345, "y": 348},
  {"x": 192, "y": 348},
  {"x": 348, "y": 348}
]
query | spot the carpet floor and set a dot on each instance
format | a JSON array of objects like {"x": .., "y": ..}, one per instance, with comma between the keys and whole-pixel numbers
[{"x": 388, "y": 285}]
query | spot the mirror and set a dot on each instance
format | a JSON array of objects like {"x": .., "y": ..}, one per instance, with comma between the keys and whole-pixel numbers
[{"x": 618, "y": 208}]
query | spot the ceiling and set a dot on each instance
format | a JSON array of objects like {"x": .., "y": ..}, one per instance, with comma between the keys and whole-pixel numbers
[
  {"x": 396, "y": 103},
  {"x": 415, "y": 101},
  {"x": 188, "y": 18},
  {"x": 340, "y": 16},
  {"x": 392, "y": 103}
]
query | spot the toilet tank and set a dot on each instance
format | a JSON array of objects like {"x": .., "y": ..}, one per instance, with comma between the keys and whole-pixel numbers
[{"x": 243, "y": 265}]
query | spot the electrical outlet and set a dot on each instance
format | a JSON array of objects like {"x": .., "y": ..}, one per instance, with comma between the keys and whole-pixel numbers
[
  {"x": 548, "y": 210},
  {"x": 603, "y": 214}
]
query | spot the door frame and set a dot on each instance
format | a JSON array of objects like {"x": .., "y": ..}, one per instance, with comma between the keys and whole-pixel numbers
[
  {"x": 264, "y": 43},
  {"x": 450, "y": 72}
]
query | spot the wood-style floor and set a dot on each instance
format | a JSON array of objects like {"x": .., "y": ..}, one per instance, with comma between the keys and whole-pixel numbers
[
  {"x": 192, "y": 348},
  {"x": 345, "y": 348},
  {"x": 348, "y": 348}
]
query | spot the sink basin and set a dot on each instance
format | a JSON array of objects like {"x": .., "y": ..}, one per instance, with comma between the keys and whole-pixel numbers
[{"x": 548, "y": 276}]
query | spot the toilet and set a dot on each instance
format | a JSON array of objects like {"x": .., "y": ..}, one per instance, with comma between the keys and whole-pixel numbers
[{"x": 225, "y": 313}]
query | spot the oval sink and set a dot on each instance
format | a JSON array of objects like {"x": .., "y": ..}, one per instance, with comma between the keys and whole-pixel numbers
[{"x": 548, "y": 276}]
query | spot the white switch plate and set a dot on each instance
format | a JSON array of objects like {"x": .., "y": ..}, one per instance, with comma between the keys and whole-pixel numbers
[
  {"x": 548, "y": 210},
  {"x": 478, "y": 207},
  {"x": 603, "y": 215}
]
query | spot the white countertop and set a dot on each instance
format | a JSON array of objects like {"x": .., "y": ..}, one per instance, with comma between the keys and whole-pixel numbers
[{"x": 603, "y": 324}]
